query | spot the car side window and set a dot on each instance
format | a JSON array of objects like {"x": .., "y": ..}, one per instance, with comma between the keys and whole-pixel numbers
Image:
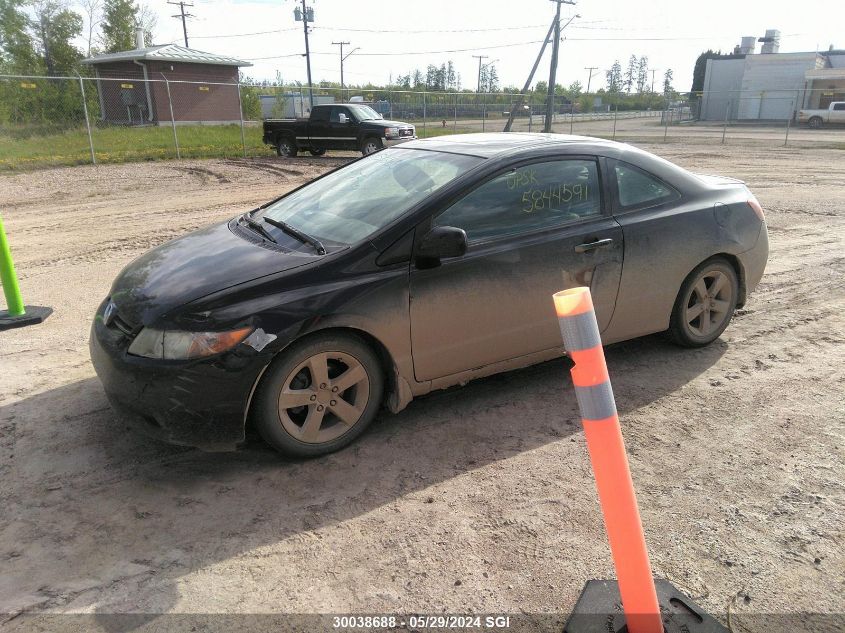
[
  {"x": 637, "y": 188},
  {"x": 336, "y": 112},
  {"x": 839, "y": 106},
  {"x": 321, "y": 114},
  {"x": 528, "y": 198}
]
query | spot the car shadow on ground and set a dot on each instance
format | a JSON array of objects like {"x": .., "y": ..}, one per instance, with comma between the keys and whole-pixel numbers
[{"x": 119, "y": 510}]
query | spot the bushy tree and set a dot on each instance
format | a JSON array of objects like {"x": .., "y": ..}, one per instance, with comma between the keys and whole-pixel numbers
[
  {"x": 17, "y": 50},
  {"x": 55, "y": 26},
  {"x": 614, "y": 77},
  {"x": 667, "y": 83},
  {"x": 701, "y": 68},
  {"x": 642, "y": 74},
  {"x": 119, "y": 20},
  {"x": 630, "y": 74}
]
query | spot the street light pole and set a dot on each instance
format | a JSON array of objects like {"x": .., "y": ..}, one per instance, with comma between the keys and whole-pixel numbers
[
  {"x": 341, "y": 65},
  {"x": 479, "y": 57}
]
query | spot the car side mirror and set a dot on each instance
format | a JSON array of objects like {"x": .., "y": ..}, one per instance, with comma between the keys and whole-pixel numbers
[
  {"x": 343, "y": 118},
  {"x": 440, "y": 242}
]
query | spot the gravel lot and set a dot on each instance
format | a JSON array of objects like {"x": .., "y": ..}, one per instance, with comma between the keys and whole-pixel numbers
[{"x": 476, "y": 499}]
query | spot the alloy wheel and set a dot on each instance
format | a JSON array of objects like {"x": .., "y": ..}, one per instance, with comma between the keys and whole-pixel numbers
[
  {"x": 709, "y": 303},
  {"x": 324, "y": 397}
]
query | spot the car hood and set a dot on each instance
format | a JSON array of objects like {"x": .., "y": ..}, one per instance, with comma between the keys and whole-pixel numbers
[
  {"x": 191, "y": 267},
  {"x": 386, "y": 123}
]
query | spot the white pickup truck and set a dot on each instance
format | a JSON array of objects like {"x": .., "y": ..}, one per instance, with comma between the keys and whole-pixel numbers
[{"x": 835, "y": 113}]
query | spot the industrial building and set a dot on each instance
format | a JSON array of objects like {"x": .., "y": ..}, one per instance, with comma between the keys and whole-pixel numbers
[
  {"x": 770, "y": 85},
  {"x": 133, "y": 91}
]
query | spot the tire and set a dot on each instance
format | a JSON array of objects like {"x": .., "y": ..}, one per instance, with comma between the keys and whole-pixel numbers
[
  {"x": 286, "y": 147},
  {"x": 697, "y": 301},
  {"x": 336, "y": 418},
  {"x": 815, "y": 123},
  {"x": 371, "y": 145},
  {"x": 317, "y": 152}
]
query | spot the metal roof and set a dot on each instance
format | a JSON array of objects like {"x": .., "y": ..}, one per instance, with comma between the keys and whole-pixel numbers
[{"x": 167, "y": 53}]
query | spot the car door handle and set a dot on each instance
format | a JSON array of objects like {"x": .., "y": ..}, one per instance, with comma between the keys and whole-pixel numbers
[{"x": 589, "y": 246}]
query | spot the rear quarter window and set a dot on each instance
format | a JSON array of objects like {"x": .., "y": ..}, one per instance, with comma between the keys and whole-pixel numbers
[{"x": 638, "y": 189}]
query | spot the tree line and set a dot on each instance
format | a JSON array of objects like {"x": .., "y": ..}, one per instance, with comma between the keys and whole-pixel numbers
[{"x": 37, "y": 36}]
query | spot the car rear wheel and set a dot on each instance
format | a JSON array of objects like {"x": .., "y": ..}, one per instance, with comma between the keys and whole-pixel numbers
[
  {"x": 705, "y": 304},
  {"x": 317, "y": 152},
  {"x": 370, "y": 146},
  {"x": 286, "y": 147},
  {"x": 815, "y": 122},
  {"x": 319, "y": 395}
]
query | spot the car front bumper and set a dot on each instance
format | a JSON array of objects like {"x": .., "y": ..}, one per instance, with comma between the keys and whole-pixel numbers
[
  {"x": 199, "y": 403},
  {"x": 390, "y": 142}
]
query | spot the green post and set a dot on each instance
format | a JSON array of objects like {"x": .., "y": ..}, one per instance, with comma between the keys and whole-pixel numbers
[{"x": 14, "y": 301}]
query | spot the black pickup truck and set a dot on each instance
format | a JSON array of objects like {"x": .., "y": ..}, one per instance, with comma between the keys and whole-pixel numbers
[{"x": 347, "y": 126}]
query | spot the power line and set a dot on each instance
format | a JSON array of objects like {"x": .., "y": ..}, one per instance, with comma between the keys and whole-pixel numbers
[{"x": 273, "y": 32}]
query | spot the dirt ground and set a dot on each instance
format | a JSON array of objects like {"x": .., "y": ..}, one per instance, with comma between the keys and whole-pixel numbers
[{"x": 478, "y": 499}]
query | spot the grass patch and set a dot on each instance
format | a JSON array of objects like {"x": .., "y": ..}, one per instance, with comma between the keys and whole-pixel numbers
[
  {"x": 127, "y": 144},
  {"x": 115, "y": 144}
]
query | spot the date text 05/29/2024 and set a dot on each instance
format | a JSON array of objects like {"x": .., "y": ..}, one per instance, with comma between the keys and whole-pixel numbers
[{"x": 467, "y": 622}]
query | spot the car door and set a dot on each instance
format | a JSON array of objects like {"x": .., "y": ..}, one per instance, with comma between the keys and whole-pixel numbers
[
  {"x": 319, "y": 129},
  {"x": 532, "y": 229},
  {"x": 837, "y": 113},
  {"x": 342, "y": 128}
]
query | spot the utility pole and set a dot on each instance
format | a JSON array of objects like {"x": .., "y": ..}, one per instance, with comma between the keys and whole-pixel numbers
[
  {"x": 590, "y": 78},
  {"x": 518, "y": 104},
  {"x": 550, "y": 105},
  {"x": 183, "y": 16},
  {"x": 306, "y": 15},
  {"x": 653, "y": 70},
  {"x": 479, "y": 58},
  {"x": 341, "y": 44}
]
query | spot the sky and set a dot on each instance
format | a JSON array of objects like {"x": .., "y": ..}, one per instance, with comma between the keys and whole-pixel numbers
[{"x": 396, "y": 37}]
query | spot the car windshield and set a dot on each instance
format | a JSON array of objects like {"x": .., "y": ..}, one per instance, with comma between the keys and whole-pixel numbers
[
  {"x": 352, "y": 203},
  {"x": 365, "y": 113}
]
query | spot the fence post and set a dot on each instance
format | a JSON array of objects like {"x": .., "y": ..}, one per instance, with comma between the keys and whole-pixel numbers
[
  {"x": 788, "y": 121},
  {"x": 87, "y": 122},
  {"x": 172, "y": 119},
  {"x": 666, "y": 114},
  {"x": 615, "y": 116},
  {"x": 571, "y": 117},
  {"x": 425, "y": 133},
  {"x": 241, "y": 113},
  {"x": 455, "y": 127},
  {"x": 725, "y": 126},
  {"x": 484, "y": 114}
]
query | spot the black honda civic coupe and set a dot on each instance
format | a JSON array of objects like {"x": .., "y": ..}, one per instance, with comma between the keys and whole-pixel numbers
[{"x": 416, "y": 268}]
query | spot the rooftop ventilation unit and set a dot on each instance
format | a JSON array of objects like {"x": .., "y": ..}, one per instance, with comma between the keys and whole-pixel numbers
[
  {"x": 748, "y": 45},
  {"x": 771, "y": 42}
]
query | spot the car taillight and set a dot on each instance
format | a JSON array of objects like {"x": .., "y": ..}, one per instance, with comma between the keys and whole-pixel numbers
[{"x": 758, "y": 210}]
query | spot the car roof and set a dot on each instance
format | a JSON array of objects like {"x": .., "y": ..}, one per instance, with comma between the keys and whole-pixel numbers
[
  {"x": 510, "y": 144},
  {"x": 489, "y": 145}
]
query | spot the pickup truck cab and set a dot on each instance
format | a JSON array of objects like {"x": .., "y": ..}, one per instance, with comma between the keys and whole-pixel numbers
[
  {"x": 343, "y": 126},
  {"x": 835, "y": 113}
]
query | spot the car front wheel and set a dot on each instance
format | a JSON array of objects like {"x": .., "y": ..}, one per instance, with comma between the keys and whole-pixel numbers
[
  {"x": 319, "y": 395},
  {"x": 370, "y": 146},
  {"x": 705, "y": 304}
]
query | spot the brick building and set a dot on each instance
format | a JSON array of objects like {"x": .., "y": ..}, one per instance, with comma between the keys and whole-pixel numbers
[{"x": 133, "y": 85}]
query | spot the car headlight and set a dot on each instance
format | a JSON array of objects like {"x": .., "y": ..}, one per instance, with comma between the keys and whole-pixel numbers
[
  {"x": 179, "y": 345},
  {"x": 391, "y": 132}
]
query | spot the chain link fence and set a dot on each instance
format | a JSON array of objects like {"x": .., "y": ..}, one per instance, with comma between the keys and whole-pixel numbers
[{"x": 48, "y": 121}]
